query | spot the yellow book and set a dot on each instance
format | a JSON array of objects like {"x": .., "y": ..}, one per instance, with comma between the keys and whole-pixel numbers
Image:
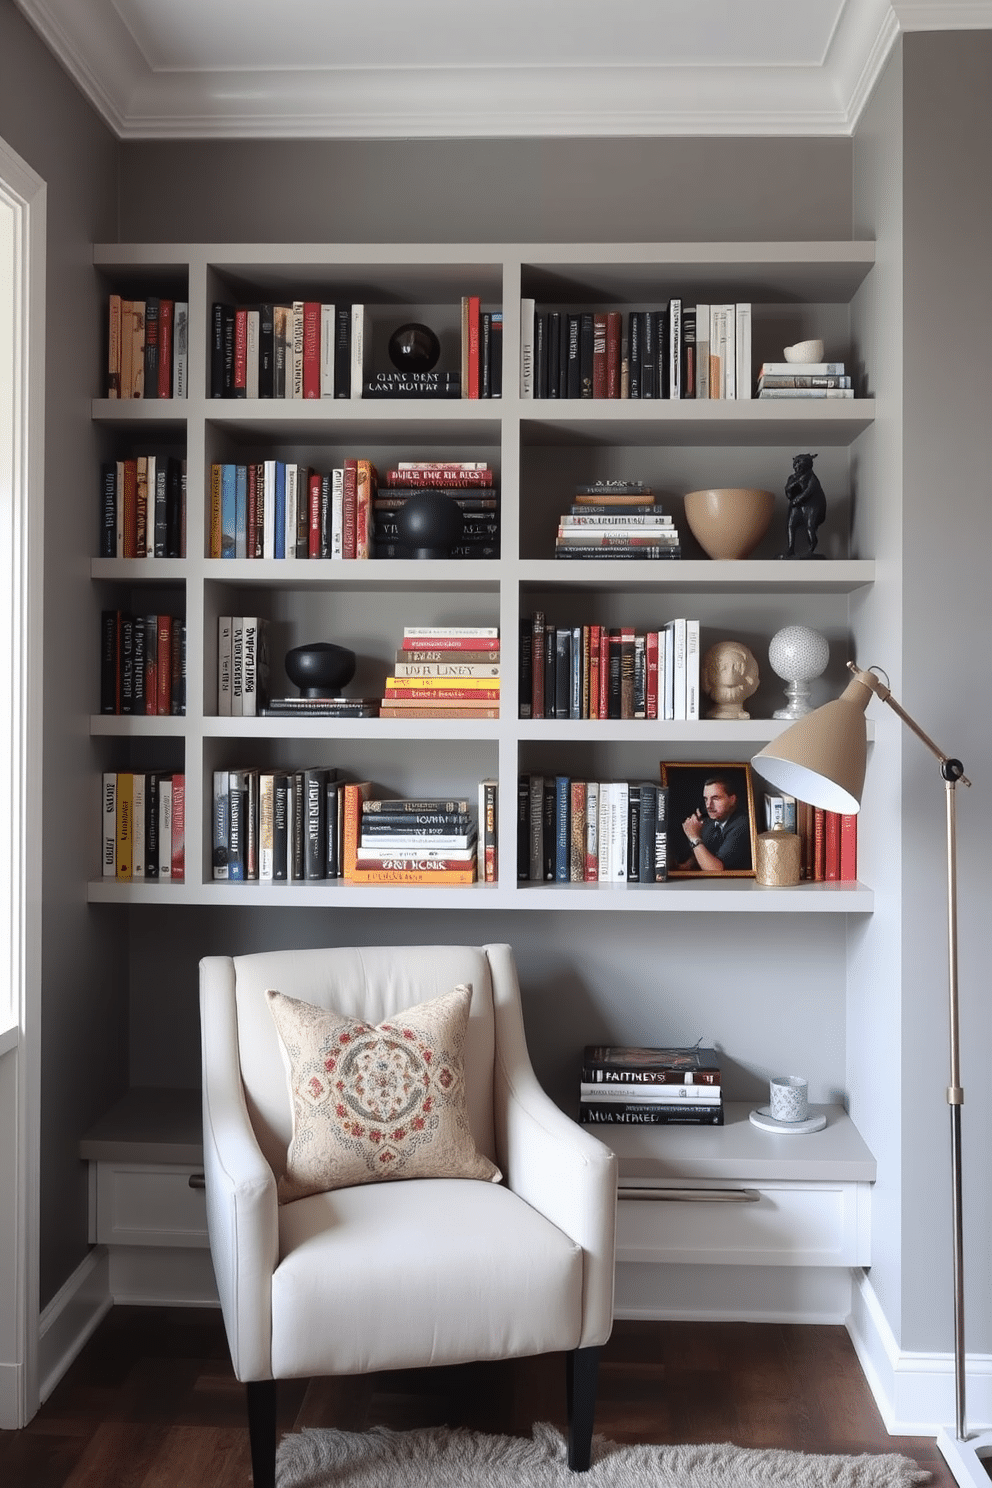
[
  {"x": 125, "y": 825},
  {"x": 413, "y": 876}
]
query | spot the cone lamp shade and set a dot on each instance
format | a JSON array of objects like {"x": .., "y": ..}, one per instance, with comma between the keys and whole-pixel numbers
[{"x": 821, "y": 758}]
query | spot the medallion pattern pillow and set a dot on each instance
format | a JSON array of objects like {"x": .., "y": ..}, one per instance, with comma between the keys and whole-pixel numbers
[{"x": 373, "y": 1103}]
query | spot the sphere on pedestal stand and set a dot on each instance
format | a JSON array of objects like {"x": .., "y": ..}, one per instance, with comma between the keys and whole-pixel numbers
[{"x": 798, "y": 655}]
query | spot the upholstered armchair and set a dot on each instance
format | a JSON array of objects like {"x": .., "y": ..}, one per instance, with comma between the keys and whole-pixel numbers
[{"x": 358, "y": 1275}]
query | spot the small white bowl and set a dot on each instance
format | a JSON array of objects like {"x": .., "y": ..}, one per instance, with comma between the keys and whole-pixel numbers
[{"x": 805, "y": 351}]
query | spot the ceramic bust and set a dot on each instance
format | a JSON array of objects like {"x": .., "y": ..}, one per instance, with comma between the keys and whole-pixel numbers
[{"x": 729, "y": 675}]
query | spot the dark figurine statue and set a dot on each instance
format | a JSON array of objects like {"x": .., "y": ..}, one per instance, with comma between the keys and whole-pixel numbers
[{"x": 807, "y": 505}]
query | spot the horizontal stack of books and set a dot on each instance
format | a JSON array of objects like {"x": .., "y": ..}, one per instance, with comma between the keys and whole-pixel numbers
[
  {"x": 616, "y": 519},
  {"x": 591, "y": 831},
  {"x": 625, "y": 1085},
  {"x": 444, "y": 671},
  {"x": 431, "y": 841},
  {"x": 804, "y": 380},
  {"x": 471, "y": 486}
]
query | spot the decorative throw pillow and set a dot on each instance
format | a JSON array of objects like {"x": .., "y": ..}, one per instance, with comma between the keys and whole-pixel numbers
[{"x": 373, "y": 1103}]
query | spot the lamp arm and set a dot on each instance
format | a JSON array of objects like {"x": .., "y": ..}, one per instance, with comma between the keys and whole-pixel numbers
[{"x": 950, "y": 769}]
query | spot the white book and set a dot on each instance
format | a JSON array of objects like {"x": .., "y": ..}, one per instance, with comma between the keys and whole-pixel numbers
[
  {"x": 220, "y": 823},
  {"x": 165, "y": 826},
  {"x": 669, "y": 693},
  {"x": 269, "y": 509},
  {"x": 774, "y": 812},
  {"x": 675, "y": 349},
  {"x": 658, "y": 1095},
  {"x": 237, "y": 665},
  {"x": 745, "y": 380},
  {"x": 606, "y": 523},
  {"x": 138, "y": 825},
  {"x": 292, "y": 498},
  {"x": 109, "y": 854},
  {"x": 730, "y": 354},
  {"x": 619, "y": 806},
  {"x": 337, "y": 512},
  {"x": 527, "y": 309},
  {"x": 603, "y": 852},
  {"x": 119, "y": 512},
  {"x": 702, "y": 351},
  {"x": 327, "y": 351},
  {"x": 251, "y": 361},
  {"x": 692, "y": 671},
  {"x": 592, "y": 822},
  {"x": 180, "y": 349},
  {"x": 150, "y": 469},
  {"x": 224, "y": 666},
  {"x": 371, "y": 849},
  {"x": 359, "y": 335},
  {"x": 294, "y": 360},
  {"x": 474, "y": 632},
  {"x": 678, "y": 685}
]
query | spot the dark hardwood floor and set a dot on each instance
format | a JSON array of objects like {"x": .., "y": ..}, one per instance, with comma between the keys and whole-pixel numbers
[{"x": 152, "y": 1403}]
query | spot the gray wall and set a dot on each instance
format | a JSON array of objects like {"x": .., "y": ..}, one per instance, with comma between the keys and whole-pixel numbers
[{"x": 84, "y": 1000}]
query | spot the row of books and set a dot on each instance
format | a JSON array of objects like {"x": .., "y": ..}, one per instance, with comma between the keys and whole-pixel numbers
[
  {"x": 280, "y": 826},
  {"x": 311, "y": 349},
  {"x": 616, "y": 519},
  {"x": 804, "y": 380},
  {"x": 599, "y": 671},
  {"x": 242, "y": 665},
  {"x": 142, "y": 664},
  {"x": 144, "y": 826},
  {"x": 828, "y": 839},
  {"x": 282, "y": 509},
  {"x": 445, "y": 671},
  {"x": 426, "y": 841},
  {"x": 143, "y": 508},
  {"x": 147, "y": 348},
  {"x": 577, "y": 831},
  {"x": 624, "y": 1085},
  {"x": 673, "y": 351}
]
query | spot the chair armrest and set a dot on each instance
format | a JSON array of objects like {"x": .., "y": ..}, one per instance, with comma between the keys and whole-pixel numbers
[
  {"x": 242, "y": 1207},
  {"x": 557, "y": 1167}
]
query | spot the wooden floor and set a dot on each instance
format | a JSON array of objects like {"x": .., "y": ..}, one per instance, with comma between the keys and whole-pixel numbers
[{"x": 152, "y": 1403}]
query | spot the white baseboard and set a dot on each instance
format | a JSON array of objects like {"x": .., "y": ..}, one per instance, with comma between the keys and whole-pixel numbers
[
  {"x": 70, "y": 1318},
  {"x": 914, "y": 1391},
  {"x": 162, "y": 1276},
  {"x": 10, "y": 1396},
  {"x": 746, "y": 1294}
]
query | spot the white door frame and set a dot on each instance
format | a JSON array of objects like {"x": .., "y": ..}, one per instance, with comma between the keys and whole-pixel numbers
[{"x": 22, "y": 449}]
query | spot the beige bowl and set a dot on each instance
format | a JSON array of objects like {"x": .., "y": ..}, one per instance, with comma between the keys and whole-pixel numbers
[{"x": 729, "y": 521}]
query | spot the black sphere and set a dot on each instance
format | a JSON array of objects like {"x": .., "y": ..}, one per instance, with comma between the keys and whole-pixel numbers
[
  {"x": 429, "y": 524},
  {"x": 414, "y": 348},
  {"x": 320, "y": 669}
]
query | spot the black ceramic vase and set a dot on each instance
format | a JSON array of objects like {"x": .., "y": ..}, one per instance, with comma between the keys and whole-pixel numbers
[
  {"x": 429, "y": 524},
  {"x": 320, "y": 669},
  {"x": 414, "y": 348}
]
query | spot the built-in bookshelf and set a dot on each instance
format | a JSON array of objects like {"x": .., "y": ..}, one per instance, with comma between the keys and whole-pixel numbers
[{"x": 539, "y": 450}]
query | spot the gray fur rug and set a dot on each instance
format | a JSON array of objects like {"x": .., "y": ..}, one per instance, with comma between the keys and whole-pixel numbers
[{"x": 441, "y": 1458}]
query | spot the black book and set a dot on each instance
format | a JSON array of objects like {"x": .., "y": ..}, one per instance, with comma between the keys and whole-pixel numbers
[
  {"x": 548, "y": 822},
  {"x": 634, "y": 834},
  {"x": 282, "y": 792},
  {"x": 662, "y": 378},
  {"x": 298, "y": 826},
  {"x": 635, "y": 335},
  {"x": 523, "y": 828},
  {"x": 152, "y": 306},
  {"x": 107, "y": 538},
  {"x": 266, "y": 351},
  {"x": 563, "y": 331},
  {"x": 614, "y": 675},
  {"x": 217, "y": 350},
  {"x": 526, "y": 666},
  {"x": 151, "y": 825},
  {"x": 647, "y": 829},
  {"x": 485, "y": 354},
  {"x": 342, "y": 351},
  {"x": 552, "y": 340},
  {"x": 540, "y": 356},
  {"x": 160, "y": 522},
  {"x": 228, "y": 334},
  {"x": 563, "y": 671},
  {"x": 585, "y": 354},
  {"x": 550, "y": 671},
  {"x": 573, "y": 375},
  {"x": 127, "y": 663},
  {"x": 644, "y": 1064},
  {"x": 649, "y": 360},
  {"x": 315, "y": 794},
  {"x": 688, "y": 351},
  {"x": 620, "y": 1113},
  {"x": 496, "y": 355},
  {"x": 177, "y": 691},
  {"x": 400, "y": 822},
  {"x": 331, "y": 798},
  {"x": 371, "y": 828},
  {"x": 109, "y": 640},
  {"x": 173, "y": 508},
  {"x": 450, "y": 388},
  {"x": 140, "y": 652}
]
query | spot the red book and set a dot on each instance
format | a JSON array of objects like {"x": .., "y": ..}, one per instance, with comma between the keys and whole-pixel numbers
[
  {"x": 166, "y": 314},
  {"x": 599, "y": 355},
  {"x": 463, "y": 479},
  {"x": 130, "y": 509},
  {"x": 604, "y": 672},
  {"x": 614, "y": 336},
  {"x": 355, "y": 792},
  {"x": 849, "y": 847},
  {"x": 178, "y": 828},
  {"x": 365, "y": 489},
  {"x": 473, "y": 346},
  {"x": 348, "y": 508},
  {"x": 313, "y": 497},
  {"x": 311, "y": 349},
  {"x": 819, "y": 844},
  {"x": 254, "y": 542},
  {"x": 594, "y": 671},
  {"x": 537, "y": 666},
  {"x": 151, "y": 663},
  {"x": 451, "y": 643},
  {"x": 440, "y": 694},
  {"x": 164, "y": 665},
  {"x": 831, "y": 846},
  {"x": 651, "y": 674},
  {"x": 239, "y": 384}
]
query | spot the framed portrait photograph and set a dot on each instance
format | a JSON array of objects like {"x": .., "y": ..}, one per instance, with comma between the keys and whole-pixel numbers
[{"x": 711, "y": 825}]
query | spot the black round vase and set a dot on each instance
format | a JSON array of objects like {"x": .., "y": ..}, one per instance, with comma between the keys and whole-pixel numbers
[
  {"x": 414, "y": 348},
  {"x": 320, "y": 669},
  {"x": 429, "y": 524}
]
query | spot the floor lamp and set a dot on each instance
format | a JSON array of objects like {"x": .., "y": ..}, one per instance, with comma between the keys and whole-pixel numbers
[{"x": 821, "y": 760}]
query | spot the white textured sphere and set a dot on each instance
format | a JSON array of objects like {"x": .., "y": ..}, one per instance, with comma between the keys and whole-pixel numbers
[{"x": 798, "y": 654}]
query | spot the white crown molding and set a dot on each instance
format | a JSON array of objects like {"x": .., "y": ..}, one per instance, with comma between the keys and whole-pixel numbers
[{"x": 139, "y": 102}]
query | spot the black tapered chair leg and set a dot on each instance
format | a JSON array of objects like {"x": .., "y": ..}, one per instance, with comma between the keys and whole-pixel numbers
[
  {"x": 581, "y": 1372},
  {"x": 262, "y": 1431}
]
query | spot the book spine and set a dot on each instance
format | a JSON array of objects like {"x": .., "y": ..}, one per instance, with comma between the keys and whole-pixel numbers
[
  {"x": 221, "y": 823},
  {"x": 108, "y": 853},
  {"x": 124, "y": 842},
  {"x": 165, "y": 791},
  {"x": 178, "y": 828},
  {"x": 180, "y": 349},
  {"x": 593, "y": 1114}
]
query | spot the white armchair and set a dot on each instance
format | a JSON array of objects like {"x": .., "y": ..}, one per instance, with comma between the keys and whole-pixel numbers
[{"x": 399, "y": 1274}]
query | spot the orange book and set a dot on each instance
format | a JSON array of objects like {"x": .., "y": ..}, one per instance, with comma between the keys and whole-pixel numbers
[
  {"x": 365, "y": 489},
  {"x": 413, "y": 876},
  {"x": 215, "y": 507},
  {"x": 436, "y": 710},
  {"x": 163, "y": 702},
  {"x": 125, "y": 825},
  {"x": 831, "y": 846},
  {"x": 349, "y": 502},
  {"x": 355, "y": 792}
]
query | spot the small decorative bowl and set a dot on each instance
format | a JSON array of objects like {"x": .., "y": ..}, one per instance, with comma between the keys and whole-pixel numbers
[
  {"x": 805, "y": 351},
  {"x": 729, "y": 521},
  {"x": 320, "y": 669}
]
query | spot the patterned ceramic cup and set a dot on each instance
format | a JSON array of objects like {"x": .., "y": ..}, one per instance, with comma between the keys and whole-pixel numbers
[{"x": 789, "y": 1100}]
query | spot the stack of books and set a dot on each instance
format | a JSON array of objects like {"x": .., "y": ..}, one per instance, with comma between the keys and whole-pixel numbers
[
  {"x": 424, "y": 842},
  {"x": 616, "y": 519},
  {"x": 804, "y": 380},
  {"x": 469, "y": 483},
  {"x": 444, "y": 671},
  {"x": 624, "y": 1085}
]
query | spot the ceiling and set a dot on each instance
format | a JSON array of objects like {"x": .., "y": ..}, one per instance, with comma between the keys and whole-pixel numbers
[{"x": 381, "y": 69}]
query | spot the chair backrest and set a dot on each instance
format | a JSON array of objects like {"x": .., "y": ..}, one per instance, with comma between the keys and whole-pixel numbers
[{"x": 371, "y": 983}]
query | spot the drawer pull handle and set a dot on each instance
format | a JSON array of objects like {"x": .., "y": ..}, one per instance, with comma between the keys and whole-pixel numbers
[
  {"x": 692, "y": 1195},
  {"x": 197, "y": 1180}
]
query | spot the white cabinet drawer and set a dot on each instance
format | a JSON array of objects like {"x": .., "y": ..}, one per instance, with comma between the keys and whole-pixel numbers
[
  {"x": 148, "y": 1204},
  {"x": 746, "y": 1224}
]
